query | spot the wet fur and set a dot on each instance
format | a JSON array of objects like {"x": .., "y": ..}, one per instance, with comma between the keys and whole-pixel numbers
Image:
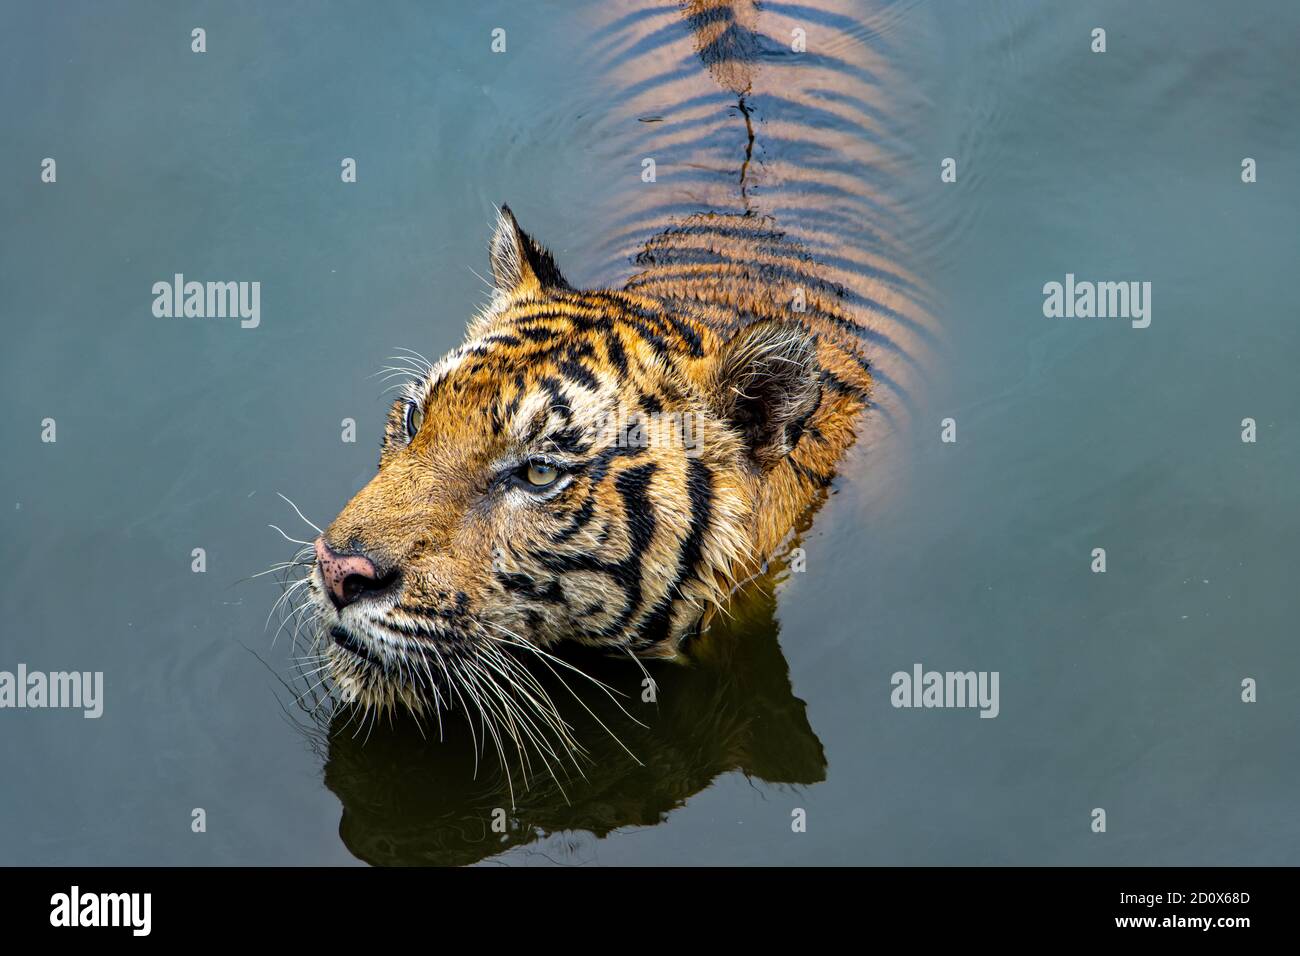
[{"x": 644, "y": 538}]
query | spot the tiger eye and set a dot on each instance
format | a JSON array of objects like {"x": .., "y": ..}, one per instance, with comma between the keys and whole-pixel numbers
[
  {"x": 540, "y": 474},
  {"x": 414, "y": 419}
]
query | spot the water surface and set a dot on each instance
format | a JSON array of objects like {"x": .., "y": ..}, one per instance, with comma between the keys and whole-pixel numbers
[{"x": 1118, "y": 690}]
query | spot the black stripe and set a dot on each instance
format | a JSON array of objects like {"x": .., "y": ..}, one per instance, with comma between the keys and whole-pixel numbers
[
  {"x": 633, "y": 486},
  {"x": 596, "y": 469},
  {"x": 617, "y": 357},
  {"x": 559, "y": 402},
  {"x": 579, "y": 374},
  {"x": 699, "y": 492},
  {"x": 529, "y": 588}
]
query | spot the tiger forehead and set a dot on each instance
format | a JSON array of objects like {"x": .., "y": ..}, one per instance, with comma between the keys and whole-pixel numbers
[
  {"x": 523, "y": 399},
  {"x": 548, "y": 411},
  {"x": 540, "y": 368},
  {"x": 576, "y": 332}
]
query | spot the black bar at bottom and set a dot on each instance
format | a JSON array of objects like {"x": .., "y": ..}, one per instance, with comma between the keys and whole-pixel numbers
[{"x": 334, "y": 906}]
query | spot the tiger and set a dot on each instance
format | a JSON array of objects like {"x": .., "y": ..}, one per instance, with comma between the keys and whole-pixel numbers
[{"x": 605, "y": 466}]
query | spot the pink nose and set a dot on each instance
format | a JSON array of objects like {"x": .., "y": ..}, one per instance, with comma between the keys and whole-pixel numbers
[{"x": 348, "y": 576}]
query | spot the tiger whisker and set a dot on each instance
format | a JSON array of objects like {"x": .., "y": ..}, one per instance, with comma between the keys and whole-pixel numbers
[
  {"x": 451, "y": 682},
  {"x": 489, "y": 729},
  {"x": 286, "y": 537},
  {"x": 503, "y": 714},
  {"x": 545, "y": 706},
  {"x": 526, "y": 718},
  {"x": 433, "y": 686},
  {"x": 284, "y": 597},
  {"x": 546, "y": 658},
  {"x": 417, "y": 356},
  {"x": 300, "y": 515},
  {"x": 518, "y": 641},
  {"x": 292, "y": 614},
  {"x": 280, "y": 566}
]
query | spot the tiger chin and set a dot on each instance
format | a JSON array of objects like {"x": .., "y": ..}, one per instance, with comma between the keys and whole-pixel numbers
[{"x": 596, "y": 466}]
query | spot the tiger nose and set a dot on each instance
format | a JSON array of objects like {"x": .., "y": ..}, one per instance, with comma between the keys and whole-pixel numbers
[{"x": 349, "y": 576}]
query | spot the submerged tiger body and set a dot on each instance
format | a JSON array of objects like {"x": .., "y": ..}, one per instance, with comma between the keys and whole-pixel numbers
[{"x": 602, "y": 466}]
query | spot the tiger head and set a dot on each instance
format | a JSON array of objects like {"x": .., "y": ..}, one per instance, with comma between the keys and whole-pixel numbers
[{"x": 585, "y": 467}]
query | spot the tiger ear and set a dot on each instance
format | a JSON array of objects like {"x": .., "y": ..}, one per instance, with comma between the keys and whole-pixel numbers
[
  {"x": 766, "y": 384},
  {"x": 519, "y": 262}
]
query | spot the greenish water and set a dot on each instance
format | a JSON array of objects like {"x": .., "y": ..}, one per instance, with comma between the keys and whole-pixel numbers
[{"x": 1119, "y": 690}]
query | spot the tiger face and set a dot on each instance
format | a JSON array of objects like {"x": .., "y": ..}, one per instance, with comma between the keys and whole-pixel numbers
[{"x": 585, "y": 467}]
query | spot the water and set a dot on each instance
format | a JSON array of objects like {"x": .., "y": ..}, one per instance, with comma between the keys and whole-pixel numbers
[{"x": 1118, "y": 690}]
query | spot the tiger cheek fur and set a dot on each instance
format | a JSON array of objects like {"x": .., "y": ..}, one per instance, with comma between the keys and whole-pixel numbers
[{"x": 589, "y": 466}]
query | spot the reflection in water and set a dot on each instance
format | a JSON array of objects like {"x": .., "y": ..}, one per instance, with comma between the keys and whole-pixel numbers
[{"x": 411, "y": 799}]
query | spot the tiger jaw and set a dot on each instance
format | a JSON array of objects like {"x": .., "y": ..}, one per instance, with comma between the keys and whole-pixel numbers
[
  {"x": 377, "y": 670},
  {"x": 378, "y": 655}
]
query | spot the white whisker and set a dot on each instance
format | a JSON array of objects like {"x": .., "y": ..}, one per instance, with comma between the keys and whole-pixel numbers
[{"x": 300, "y": 515}]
